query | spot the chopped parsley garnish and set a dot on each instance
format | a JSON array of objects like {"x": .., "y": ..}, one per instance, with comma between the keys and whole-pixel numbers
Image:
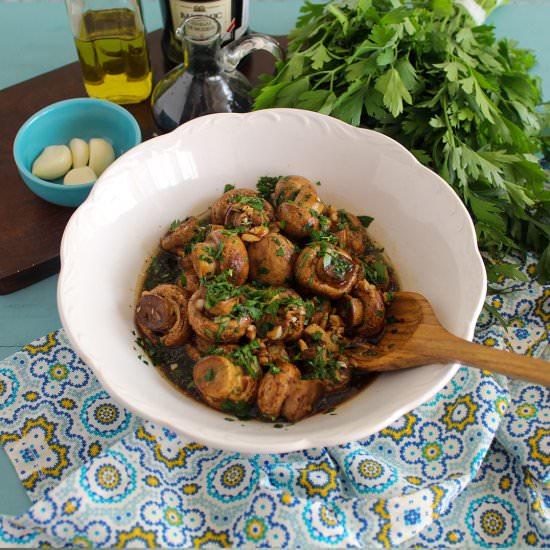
[
  {"x": 175, "y": 224},
  {"x": 321, "y": 366},
  {"x": 209, "y": 375},
  {"x": 338, "y": 265},
  {"x": 375, "y": 271},
  {"x": 219, "y": 289},
  {"x": 254, "y": 202},
  {"x": 228, "y": 187},
  {"x": 266, "y": 186},
  {"x": 241, "y": 409},
  {"x": 365, "y": 220}
]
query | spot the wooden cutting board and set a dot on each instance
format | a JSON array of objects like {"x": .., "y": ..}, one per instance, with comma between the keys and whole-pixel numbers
[{"x": 31, "y": 228}]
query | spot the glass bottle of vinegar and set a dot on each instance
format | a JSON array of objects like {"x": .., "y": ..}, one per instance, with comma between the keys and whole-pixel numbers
[
  {"x": 232, "y": 15},
  {"x": 111, "y": 43}
]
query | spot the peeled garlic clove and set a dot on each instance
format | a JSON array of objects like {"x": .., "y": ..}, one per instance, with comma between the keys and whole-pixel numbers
[
  {"x": 54, "y": 162},
  {"x": 101, "y": 155},
  {"x": 79, "y": 151},
  {"x": 78, "y": 176}
]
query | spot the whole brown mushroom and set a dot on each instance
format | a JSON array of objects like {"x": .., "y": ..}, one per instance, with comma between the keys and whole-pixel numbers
[
  {"x": 302, "y": 399},
  {"x": 223, "y": 329},
  {"x": 271, "y": 260},
  {"x": 161, "y": 315},
  {"x": 242, "y": 209},
  {"x": 364, "y": 311},
  {"x": 283, "y": 393},
  {"x": 326, "y": 270},
  {"x": 350, "y": 232},
  {"x": 221, "y": 382},
  {"x": 287, "y": 323},
  {"x": 180, "y": 235},
  {"x": 275, "y": 387},
  {"x": 298, "y": 206},
  {"x": 221, "y": 252}
]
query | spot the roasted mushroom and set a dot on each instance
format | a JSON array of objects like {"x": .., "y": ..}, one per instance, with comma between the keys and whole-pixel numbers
[
  {"x": 298, "y": 206},
  {"x": 221, "y": 252},
  {"x": 161, "y": 315},
  {"x": 272, "y": 259},
  {"x": 377, "y": 271},
  {"x": 215, "y": 328},
  {"x": 350, "y": 232},
  {"x": 302, "y": 399},
  {"x": 275, "y": 387},
  {"x": 285, "y": 317},
  {"x": 325, "y": 269},
  {"x": 180, "y": 235},
  {"x": 275, "y": 301},
  {"x": 339, "y": 378},
  {"x": 242, "y": 209},
  {"x": 364, "y": 311},
  {"x": 219, "y": 381},
  {"x": 188, "y": 279},
  {"x": 283, "y": 393}
]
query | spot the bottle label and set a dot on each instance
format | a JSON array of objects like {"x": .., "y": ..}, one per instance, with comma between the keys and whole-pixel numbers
[{"x": 219, "y": 9}]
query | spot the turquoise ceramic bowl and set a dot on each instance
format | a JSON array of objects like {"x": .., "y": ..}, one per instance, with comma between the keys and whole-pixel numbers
[{"x": 57, "y": 124}]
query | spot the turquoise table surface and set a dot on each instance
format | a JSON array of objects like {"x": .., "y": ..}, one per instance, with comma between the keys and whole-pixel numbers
[{"x": 35, "y": 38}]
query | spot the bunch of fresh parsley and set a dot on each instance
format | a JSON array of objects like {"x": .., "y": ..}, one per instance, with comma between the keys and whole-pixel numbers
[{"x": 425, "y": 74}]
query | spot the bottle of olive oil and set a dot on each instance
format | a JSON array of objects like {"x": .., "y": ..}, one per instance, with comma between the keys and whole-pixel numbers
[{"x": 112, "y": 50}]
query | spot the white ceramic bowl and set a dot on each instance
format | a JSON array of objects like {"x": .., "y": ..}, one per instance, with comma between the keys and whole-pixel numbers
[{"x": 420, "y": 221}]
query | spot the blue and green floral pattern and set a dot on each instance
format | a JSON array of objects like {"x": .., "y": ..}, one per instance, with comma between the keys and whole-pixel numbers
[{"x": 471, "y": 467}]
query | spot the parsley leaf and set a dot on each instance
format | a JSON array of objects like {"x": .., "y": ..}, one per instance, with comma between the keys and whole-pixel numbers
[{"x": 427, "y": 75}]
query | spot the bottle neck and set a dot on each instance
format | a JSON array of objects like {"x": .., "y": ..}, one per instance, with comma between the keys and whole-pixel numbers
[{"x": 202, "y": 55}]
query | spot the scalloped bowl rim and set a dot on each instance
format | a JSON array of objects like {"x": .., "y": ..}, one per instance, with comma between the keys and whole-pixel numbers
[{"x": 200, "y": 432}]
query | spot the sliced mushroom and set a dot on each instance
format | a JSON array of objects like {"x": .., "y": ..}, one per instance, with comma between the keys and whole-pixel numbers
[
  {"x": 242, "y": 208},
  {"x": 287, "y": 323},
  {"x": 220, "y": 380},
  {"x": 221, "y": 252},
  {"x": 298, "y": 206},
  {"x": 350, "y": 232},
  {"x": 326, "y": 270},
  {"x": 218, "y": 329},
  {"x": 272, "y": 259},
  {"x": 161, "y": 315},
  {"x": 302, "y": 399},
  {"x": 274, "y": 389}
]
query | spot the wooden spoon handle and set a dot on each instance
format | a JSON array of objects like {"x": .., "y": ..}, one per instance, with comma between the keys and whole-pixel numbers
[{"x": 503, "y": 362}]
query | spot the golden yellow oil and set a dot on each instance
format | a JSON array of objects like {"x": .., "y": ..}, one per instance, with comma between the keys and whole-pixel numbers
[{"x": 113, "y": 56}]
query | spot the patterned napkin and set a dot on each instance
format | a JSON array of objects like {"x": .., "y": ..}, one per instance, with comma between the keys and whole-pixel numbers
[{"x": 469, "y": 468}]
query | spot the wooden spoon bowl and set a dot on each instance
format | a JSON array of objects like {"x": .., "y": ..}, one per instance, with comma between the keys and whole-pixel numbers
[{"x": 415, "y": 337}]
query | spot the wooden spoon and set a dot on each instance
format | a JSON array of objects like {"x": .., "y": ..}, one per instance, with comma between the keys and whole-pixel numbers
[{"x": 417, "y": 338}]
